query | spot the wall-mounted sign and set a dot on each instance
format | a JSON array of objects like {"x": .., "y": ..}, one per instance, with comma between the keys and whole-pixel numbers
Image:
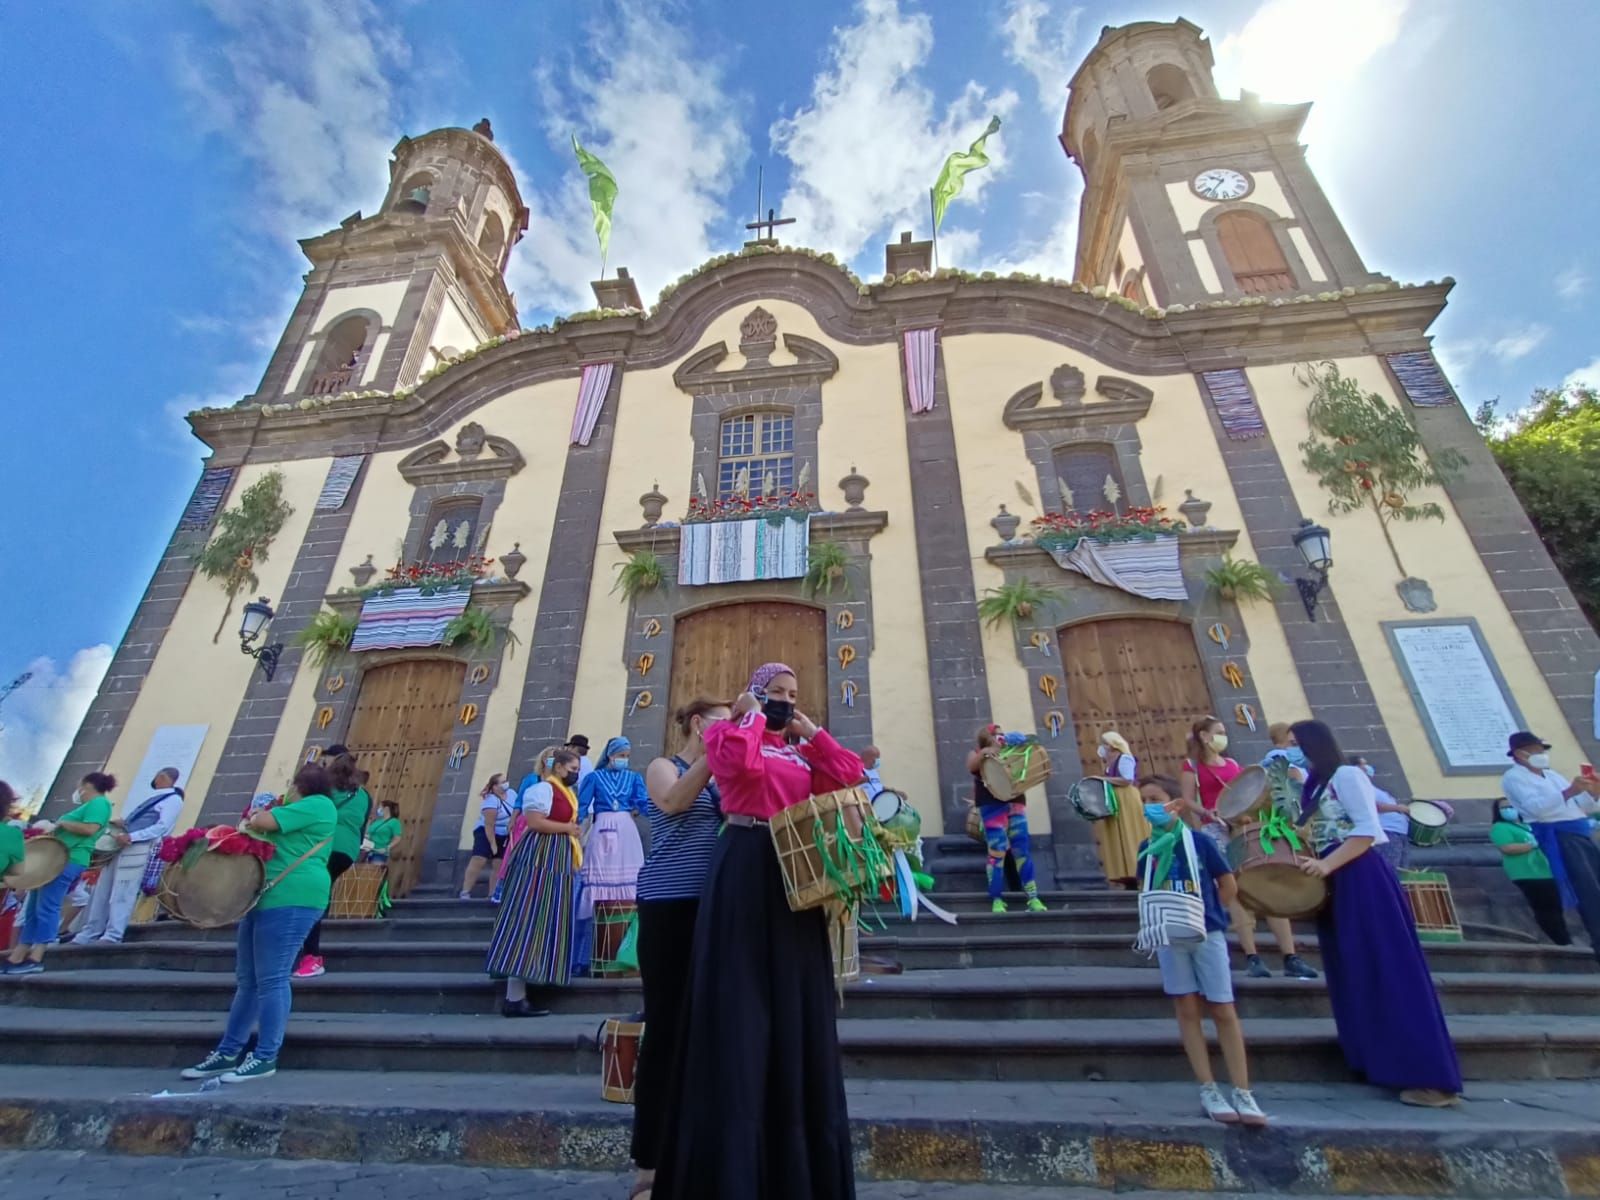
[{"x": 1459, "y": 692}]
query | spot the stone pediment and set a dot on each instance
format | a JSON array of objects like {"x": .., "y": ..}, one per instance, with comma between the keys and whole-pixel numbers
[
  {"x": 701, "y": 372},
  {"x": 1124, "y": 401},
  {"x": 477, "y": 456}
]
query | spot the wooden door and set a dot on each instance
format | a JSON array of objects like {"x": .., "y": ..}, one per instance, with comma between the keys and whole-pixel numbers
[
  {"x": 1253, "y": 254},
  {"x": 1140, "y": 677},
  {"x": 400, "y": 734},
  {"x": 715, "y": 650}
]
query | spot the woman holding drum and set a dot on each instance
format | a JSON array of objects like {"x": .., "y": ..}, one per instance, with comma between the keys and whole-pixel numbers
[
  {"x": 759, "y": 1103},
  {"x": 1120, "y": 835},
  {"x": 77, "y": 830},
  {"x": 1368, "y": 937},
  {"x": 298, "y": 888},
  {"x": 1206, "y": 772},
  {"x": 1005, "y": 828}
]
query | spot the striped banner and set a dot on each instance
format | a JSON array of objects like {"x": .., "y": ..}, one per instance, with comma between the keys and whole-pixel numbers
[
  {"x": 1421, "y": 379},
  {"x": 406, "y": 619},
  {"x": 207, "y": 498},
  {"x": 591, "y": 396},
  {"x": 919, "y": 351},
  {"x": 1235, "y": 404},
  {"x": 1142, "y": 568},
  {"x": 738, "y": 551},
  {"x": 336, "y": 488}
]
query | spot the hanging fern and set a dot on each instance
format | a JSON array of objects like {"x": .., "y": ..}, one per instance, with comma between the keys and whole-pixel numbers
[
  {"x": 1017, "y": 602},
  {"x": 827, "y": 567},
  {"x": 1241, "y": 579},
  {"x": 642, "y": 573},
  {"x": 327, "y": 636},
  {"x": 244, "y": 534},
  {"x": 474, "y": 627}
]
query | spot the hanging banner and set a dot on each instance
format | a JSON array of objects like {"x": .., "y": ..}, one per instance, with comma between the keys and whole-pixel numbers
[
  {"x": 919, "y": 351},
  {"x": 592, "y": 390}
]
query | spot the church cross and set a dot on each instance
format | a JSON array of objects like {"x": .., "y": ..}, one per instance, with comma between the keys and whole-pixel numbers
[{"x": 773, "y": 219}]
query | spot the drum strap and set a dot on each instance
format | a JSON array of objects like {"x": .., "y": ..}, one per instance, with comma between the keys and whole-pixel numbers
[{"x": 278, "y": 878}]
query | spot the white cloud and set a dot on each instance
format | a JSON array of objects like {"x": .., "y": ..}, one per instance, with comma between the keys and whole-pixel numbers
[
  {"x": 1519, "y": 343},
  {"x": 39, "y": 719},
  {"x": 1044, "y": 43},
  {"x": 1297, "y": 50},
  {"x": 1458, "y": 357},
  {"x": 868, "y": 145},
  {"x": 1572, "y": 283},
  {"x": 1584, "y": 377},
  {"x": 656, "y": 110}
]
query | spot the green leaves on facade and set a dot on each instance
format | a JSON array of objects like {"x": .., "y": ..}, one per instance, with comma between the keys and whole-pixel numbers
[
  {"x": 244, "y": 534},
  {"x": 1017, "y": 602}
]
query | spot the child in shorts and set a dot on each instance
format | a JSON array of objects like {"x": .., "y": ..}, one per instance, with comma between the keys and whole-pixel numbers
[{"x": 1200, "y": 969}]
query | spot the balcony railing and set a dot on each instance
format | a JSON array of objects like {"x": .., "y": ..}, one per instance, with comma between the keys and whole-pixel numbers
[
  {"x": 1264, "y": 283},
  {"x": 332, "y": 382}
]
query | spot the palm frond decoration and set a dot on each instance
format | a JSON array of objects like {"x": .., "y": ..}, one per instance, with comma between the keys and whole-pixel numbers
[
  {"x": 700, "y": 485},
  {"x": 463, "y": 535},
  {"x": 441, "y": 534},
  {"x": 1068, "y": 503},
  {"x": 805, "y": 476},
  {"x": 741, "y": 483},
  {"x": 769, "y": 486},
  {"x": 1026, "y": 495},
  {"x": 1155, "y": 489},
  {"x": 1112, "y": 492}
]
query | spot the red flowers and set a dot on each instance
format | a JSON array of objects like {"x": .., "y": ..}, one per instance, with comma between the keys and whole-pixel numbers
[
  {"x": 1134, "y": 522},
  {"x": 732, "y": 508},
  {"x": 424, "y": 574}
]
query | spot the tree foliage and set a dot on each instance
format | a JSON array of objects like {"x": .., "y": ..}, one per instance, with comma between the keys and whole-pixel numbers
[
  {"x": 244, "y": 532},
  {"x": 1550, "y": 453}
]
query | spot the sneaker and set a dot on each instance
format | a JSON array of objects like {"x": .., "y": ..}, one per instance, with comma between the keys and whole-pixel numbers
[
  {"x": 1036, "y": 905},
  {"x": 1296, "y": 967},
  {"x": 998, "y": 906},
  {"x": 1430, "y": 1098},
  {"x": 310, "y": 967},
  {"x": 1215, "y": 1107},
  {"x": 252, "y": 1068},
  {"x": 1249, "y": 1111},
  {"x": 464, "y": 896},
  {"x": 215, "y": 1063},
  {"x": 1255, "y": 968},
  {"x": 26, "y": 967}
]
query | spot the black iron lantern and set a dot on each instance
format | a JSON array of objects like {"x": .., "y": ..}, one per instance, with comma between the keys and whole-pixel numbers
[
  {"x": 253, "y": 622},
  {"x": 1315, "y": 544}
]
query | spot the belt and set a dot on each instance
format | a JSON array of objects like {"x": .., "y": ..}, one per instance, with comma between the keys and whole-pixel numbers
[{"x": 745, "y": 821}]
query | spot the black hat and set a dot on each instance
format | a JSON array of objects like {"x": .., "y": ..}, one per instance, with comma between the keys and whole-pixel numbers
[
  {"x": 578, "y": 740},
  {"x": 1522, "y": 739}
]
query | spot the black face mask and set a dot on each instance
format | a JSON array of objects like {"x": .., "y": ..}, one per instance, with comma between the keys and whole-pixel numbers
[
  {"x": 570, "y": 778},
  {"x": 779, "y": 713}
]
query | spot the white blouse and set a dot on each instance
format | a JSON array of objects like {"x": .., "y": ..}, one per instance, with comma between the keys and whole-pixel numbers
[
  {"x": 539, "y": 798},
  {"x": 1349, "y": 808}
]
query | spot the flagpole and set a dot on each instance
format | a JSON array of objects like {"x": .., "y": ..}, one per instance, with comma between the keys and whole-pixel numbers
[{"x": 933, "y": 213}]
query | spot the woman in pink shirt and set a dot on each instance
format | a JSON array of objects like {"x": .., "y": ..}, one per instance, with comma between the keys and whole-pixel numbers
[{"x": 760, "y": 1096}]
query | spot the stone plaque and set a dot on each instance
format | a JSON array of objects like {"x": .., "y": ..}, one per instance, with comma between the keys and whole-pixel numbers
[{"x": 1459, "y": 693}]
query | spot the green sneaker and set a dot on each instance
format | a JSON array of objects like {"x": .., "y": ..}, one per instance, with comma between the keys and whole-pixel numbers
[
  {"x": 252, "y": 1068},
  {"x": 998, "y": 906},
  {"x": 215, "y": 1063},
  {"x": 1036, "y": 905}
]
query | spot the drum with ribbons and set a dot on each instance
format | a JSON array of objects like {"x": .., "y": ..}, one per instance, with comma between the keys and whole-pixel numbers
[
  {"x": 1094, "y": 798},
  {"x": 1266, "y": 857},
  {"x": 1245, "y": 797},
  {"x": 900, "y": 822},
  {"x": 1426, "y": 822}
]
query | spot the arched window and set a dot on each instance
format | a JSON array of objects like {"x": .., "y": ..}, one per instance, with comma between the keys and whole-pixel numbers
[
  {"x": 414, "y": 193},
  {"x": 492, "y": 239},
  {"x": 1082, "y": 471},
  {"x": 761, "y": 444},
  {"x": 342, "y": 357},
  {"x": 1253, "y": 254},
  {"x": 451, "y": 532},
  {"x": 1168, "y": 85},
  {"x": 1133, "y": 287}
]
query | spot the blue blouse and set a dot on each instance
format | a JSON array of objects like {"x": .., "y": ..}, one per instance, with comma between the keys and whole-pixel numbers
[{"x": 611, "y": 789}]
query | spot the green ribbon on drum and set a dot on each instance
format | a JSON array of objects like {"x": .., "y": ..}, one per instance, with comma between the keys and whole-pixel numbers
[
  {"x": 853, "y": 868},
  {"x": 1275, "y": 828}
]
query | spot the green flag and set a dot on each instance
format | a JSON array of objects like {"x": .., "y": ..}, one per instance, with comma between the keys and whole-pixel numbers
[
  {"x": 602, "y": 193},
  {"x": 955, "y": 170}
]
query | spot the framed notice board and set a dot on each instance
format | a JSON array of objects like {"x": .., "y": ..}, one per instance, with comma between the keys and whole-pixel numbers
[{"x": 1458, "y": 691}]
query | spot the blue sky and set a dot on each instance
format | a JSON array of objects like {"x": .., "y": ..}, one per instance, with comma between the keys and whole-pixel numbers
[{"x": 159, "y": 169}]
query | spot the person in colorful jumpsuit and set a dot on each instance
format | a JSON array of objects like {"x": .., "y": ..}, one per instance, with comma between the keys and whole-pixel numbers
[{"x": 1005, "y": 827}]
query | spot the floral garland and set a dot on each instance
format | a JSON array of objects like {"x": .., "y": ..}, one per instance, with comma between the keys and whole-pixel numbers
[
  {"x": 1066, "y": 530},
  {"x": 739, "y": 508},
  {"x": 431, "y": 577}
]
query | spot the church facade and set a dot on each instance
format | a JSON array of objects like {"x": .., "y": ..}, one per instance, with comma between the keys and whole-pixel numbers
[{"x": 918, "y": 444}]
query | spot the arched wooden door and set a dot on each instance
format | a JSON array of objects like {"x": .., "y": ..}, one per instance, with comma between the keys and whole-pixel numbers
[
  {"x": 400, "y": 733},
  {"x": 714, "y": 651},
  {"x": 1142, "y": 678}
]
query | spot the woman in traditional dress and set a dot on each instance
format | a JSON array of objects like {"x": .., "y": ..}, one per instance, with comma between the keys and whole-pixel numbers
[
  {"x": 759, "y": 1105},
  {"x": 1376, "y": 969},
  {"x": 609, "y": 798},
  {"x": 1206, "y": 772},
  {"x": 1005, "y": 828},
  {"x": 533, "y": 929},
  {"x": 685, "y": 813},
  {"x": 1119, "y": 837}
]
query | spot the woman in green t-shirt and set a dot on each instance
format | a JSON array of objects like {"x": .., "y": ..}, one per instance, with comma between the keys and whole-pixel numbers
[
  {"x": 382, "y": 833},
  {"x": 352, "y": 806},
  {"x": 297, "y": 890},
  {"x": 1528, "y": 868},
  {"x": 11, "y": 847},
  {"x": 77, "y": 829}
]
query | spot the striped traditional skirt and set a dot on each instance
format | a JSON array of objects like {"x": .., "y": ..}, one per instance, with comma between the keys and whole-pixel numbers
[{"x": 533, "y": 931}]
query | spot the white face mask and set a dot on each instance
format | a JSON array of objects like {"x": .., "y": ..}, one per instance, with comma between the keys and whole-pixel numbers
[
  {"x": 1219, "y": 742},
  {"x": 1539, "y": 761}
]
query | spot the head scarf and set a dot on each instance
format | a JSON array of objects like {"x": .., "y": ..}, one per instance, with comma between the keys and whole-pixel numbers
[
  {"x": 1116, "y": 741},
  {"x": 765, "y": 674},
  {"x": 617, "y": 745}
]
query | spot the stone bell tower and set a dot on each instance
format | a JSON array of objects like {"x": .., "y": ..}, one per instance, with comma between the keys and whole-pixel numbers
[
  {"x": 423, "y": 278},
  {"x": 1189, "y": 197}
]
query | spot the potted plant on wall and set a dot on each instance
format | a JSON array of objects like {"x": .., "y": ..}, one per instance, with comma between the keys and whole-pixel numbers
[
  {"x": 1240, "y": 579},
  {"x": 827, "y": 567},
  {"x": 327, "y": 636},
  {"x": 1016, "y": 602},
  {"x": 643, "y": 572},
  {"x": 477, "y": 629}
]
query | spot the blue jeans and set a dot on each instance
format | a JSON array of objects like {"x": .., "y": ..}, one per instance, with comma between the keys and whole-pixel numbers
[
  {"x": 269, "y": 944},
  {"x": 41, "y": 924}
]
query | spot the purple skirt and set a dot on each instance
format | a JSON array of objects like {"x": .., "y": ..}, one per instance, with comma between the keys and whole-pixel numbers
[{"x": 1391, "y": 1027}]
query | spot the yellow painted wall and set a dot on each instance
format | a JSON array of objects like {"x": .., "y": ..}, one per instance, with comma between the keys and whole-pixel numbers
[
  {"x": 382, "y": 298},
  {"x": 452, "y": 330},
  {"x": 1190, "y": 208},
  {"x": 984, "y": 371},
  {"x": 194, "y": 681},
  {"x": 1201, "y": 253},
  {"x": 1364, "y": 576},
  {"x": 1307, "y": 255},
  {"x": 1132, "y": 256}
]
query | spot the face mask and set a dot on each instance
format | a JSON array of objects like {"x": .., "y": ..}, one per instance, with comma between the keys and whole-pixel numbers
[
  {"x": 1103, "y": 751},
  {"x": 620, "y": 763},
  {"x": 1509, "y": 814},
  {"x": 548, "y": 763},
  {"x": 1296, "y": 756},
  {"x": 1157, "y": 815},
  {"x": 778, "y": 713},
  {"x": 1219, "y": 742},
  {"x": 1541, "y": 761},
  {"x": 570, "y": 778},
  {"x": 1371, "y": 771}
]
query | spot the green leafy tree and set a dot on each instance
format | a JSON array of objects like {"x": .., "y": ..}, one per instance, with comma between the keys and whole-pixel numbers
[
  {"x": 244, "y": 532},
  {"x": 1366, "y": 453},
  {"x": 1550, "y": 453}
]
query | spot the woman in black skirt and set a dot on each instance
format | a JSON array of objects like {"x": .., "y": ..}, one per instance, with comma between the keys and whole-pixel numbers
[{"x": 760, "y": 1111}]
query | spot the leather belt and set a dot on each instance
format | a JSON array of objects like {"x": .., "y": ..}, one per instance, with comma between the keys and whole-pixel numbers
[{"x": 745, "y": 821}]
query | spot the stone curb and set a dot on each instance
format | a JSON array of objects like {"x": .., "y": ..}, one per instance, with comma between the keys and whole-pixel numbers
[{"x": 1121, "y": 1157}]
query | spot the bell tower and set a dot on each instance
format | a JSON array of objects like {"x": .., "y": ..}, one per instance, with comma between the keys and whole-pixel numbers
[
  {"x": 1189, "y": 197},
  {"x": 389, "y": 295}
]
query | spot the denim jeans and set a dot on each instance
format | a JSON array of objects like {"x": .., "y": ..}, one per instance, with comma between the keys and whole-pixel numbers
[
  {"x": 269, "y": 944},
  {"x": 41, "y": 925}
]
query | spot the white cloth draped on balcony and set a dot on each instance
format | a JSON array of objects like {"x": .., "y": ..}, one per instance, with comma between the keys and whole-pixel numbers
[
  {"x": 736, "y": 551},
  {"x": 1143, "y": 568},
  {"x": 407, "y": 619}
]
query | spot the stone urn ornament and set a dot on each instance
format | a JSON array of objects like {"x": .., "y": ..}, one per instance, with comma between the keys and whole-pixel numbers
[
  {"x": 362, "y": 573},
  {"x": 1006, "y": 524},
  {"x": 652, "y": 502},
  {"x": 1194, "y": 510},
  {"x": 512, "y": 563},
  {"x": 854, "y": 486}
]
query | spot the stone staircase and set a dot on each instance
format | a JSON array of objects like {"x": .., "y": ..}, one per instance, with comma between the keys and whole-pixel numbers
[{"x": 1012, "y": 1022}]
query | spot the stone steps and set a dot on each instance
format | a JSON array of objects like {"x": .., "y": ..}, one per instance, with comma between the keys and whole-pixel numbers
[{"x": 1282, "y": 1049}]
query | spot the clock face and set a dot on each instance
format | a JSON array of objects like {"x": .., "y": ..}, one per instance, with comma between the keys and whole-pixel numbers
[{"x": 1221, "y": 183}]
